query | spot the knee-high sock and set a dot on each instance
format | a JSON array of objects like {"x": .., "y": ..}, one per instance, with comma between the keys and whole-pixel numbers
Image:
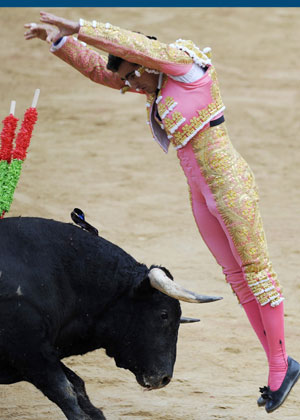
[
  {"x": 253, "y": 313},
  {"x": 268, "y": 323},
  {"x": 273, "y": 321}
]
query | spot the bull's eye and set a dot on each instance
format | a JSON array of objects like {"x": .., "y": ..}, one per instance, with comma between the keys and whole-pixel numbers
[{"x": 164, "y": 315}]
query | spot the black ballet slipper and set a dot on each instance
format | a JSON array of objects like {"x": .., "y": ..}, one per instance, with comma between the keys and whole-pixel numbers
[
  {"x": 276, "y": 398},
  {"x": 262, "y": 400}
]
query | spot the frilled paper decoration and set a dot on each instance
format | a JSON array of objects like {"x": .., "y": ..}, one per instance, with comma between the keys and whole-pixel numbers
[
  {"x": 7, "y": 137},
  {"x": 25, "y": 133},
  {"x": 13, "y": 155},
  {"x": 10, "y": 182}
]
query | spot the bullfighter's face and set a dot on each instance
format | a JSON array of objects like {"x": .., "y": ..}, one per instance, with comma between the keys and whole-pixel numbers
[{"x": 146, "y": 82}]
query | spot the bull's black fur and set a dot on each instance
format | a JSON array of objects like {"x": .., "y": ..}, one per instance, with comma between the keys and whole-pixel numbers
[{"x": 65, "y": 292}]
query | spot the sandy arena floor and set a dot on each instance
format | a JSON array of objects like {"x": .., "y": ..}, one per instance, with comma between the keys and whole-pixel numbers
[{"x": 91, "y": 149}]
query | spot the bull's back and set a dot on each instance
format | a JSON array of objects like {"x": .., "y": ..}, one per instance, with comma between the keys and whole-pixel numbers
[
  {"x": 50, "y": 260},
  {"x": 32, "y": 268}
]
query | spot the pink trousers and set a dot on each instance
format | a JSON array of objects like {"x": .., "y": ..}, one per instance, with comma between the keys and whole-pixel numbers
[{"x": 224, "y": 201}]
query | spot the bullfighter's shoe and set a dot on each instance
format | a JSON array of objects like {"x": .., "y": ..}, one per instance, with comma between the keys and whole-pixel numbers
[{"x": 276, "y": 398}]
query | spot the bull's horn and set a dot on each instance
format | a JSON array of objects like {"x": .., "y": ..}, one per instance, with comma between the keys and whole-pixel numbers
[
  {"x": 185, "y": 320},
  {"x": 160, "y": 281}
]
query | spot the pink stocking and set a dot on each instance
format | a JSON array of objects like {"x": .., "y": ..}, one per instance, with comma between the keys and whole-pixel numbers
[
  {"x": 273, "y": 321},
  {"x": 253, "y": 313}
]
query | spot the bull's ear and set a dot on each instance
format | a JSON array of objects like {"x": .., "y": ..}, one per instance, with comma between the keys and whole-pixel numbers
[{"x": 142, "y": 288}]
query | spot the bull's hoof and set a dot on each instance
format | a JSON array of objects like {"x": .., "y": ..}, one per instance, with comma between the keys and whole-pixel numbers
[
  {"x": 98, "y": 416},
  {"x": 93, "y": 413}
]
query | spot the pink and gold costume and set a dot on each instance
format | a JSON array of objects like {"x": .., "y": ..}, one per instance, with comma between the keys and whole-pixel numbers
[
  {"x": 223, "y": 193},
  {"x": 224, "y": 175}
]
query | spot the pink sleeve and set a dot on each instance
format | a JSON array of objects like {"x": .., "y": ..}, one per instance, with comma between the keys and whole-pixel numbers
[
  {"x": 89, "y": 62},
  {"x": 135, "y": 48}
]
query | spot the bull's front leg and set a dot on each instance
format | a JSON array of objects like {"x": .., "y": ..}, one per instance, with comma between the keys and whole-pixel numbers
[
  {"x": 82, "y": 397},
  {"x": 56, "y": 386},
  {"x": 33, "y": 358}
]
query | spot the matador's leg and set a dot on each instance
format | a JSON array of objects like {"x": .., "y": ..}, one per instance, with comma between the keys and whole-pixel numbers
[
  {"x": 217, "y": 242},
  {"x": 227, "y": 183}
]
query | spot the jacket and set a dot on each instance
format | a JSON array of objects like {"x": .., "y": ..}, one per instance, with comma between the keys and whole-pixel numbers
[{"x": 187, "y": 99}]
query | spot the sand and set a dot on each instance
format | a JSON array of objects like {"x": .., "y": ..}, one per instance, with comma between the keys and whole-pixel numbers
[{"x": 91, "y": 149}]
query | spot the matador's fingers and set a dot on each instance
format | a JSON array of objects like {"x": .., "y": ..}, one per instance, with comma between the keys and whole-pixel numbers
[
  {"x": 49, "y": 18},
  {"x": 30, "y": 25},
  {"x": 66, "y": 27},
  {"x": 41, "y": 31},
  {"x": 32, "y": 32}
]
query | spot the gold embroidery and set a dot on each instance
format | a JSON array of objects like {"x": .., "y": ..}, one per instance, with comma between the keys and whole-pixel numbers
[
  {"x": 132, "y": 46},
  {"x": 91, "y": 64},
  {"x": 232, "y": 184},
  {"x": 164, "y": 108},
  {"x": 189, "y": 129},
  {"x": 170, "y": 102},
  {"x": 193, "y": 51},
  {"x": 171, "y": 123}
]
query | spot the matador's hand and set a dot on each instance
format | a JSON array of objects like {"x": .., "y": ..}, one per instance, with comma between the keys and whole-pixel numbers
[
  {"x": 66, "y": 27},
  {"x": 43, "y": 32}
]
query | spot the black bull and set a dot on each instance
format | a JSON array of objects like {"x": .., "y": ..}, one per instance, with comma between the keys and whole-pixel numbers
[{"x": 63, "y": 292}]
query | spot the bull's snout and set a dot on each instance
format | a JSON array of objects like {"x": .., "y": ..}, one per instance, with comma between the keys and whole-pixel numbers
[{"x": 155, "y": 381}]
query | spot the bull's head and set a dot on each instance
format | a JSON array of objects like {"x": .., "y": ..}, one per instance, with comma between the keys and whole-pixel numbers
[{"x": 149, "y": 324}]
